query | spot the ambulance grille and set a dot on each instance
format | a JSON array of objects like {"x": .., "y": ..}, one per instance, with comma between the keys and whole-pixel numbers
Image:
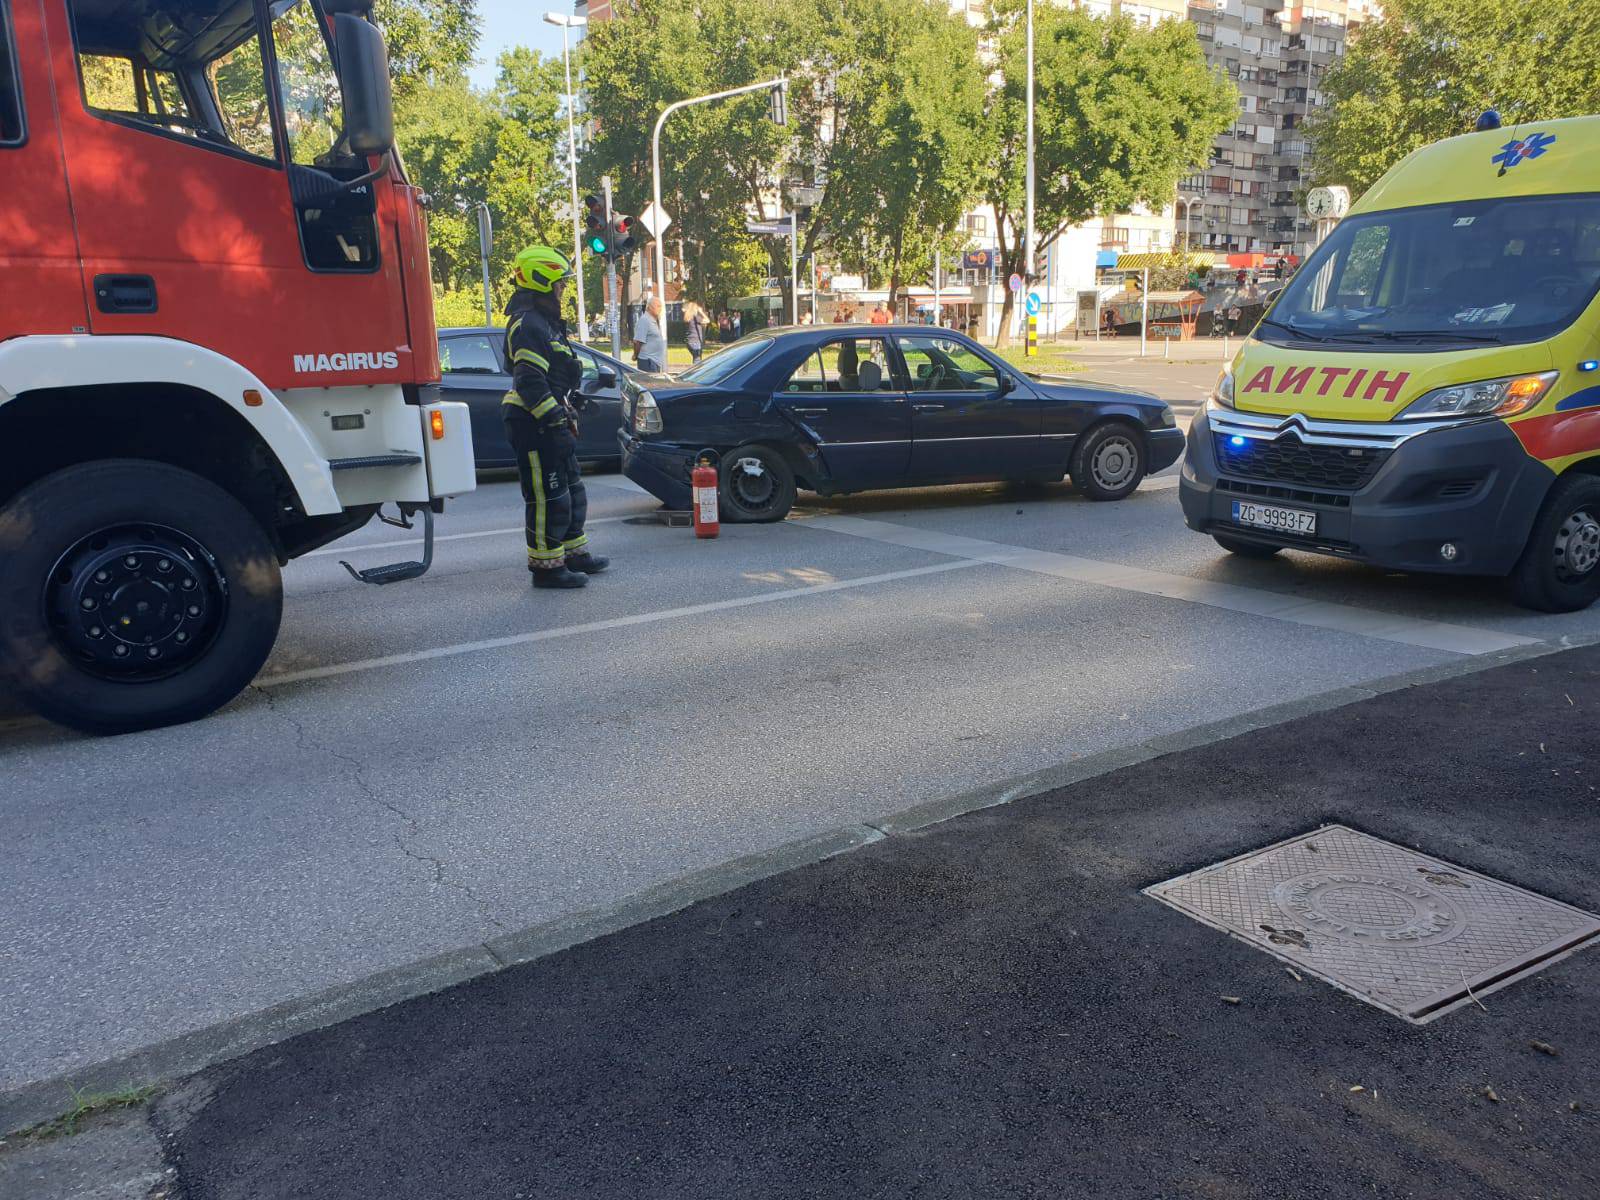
[{"x": 1288, "y": 460}]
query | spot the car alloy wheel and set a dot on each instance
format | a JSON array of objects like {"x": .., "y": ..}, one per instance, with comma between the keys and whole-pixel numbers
[{"x": 1115, "y": 460}]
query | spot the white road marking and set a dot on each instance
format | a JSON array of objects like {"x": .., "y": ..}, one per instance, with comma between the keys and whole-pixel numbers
[
  {"x": 1345, "y": 618},
  {"x": 545, "y": 635},
  {"x": 447, "y": 537}
]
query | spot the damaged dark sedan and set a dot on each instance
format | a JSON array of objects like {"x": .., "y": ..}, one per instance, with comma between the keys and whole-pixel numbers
[{"x": 852, "y": 408}]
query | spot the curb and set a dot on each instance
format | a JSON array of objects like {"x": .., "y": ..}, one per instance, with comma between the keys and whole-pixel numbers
[{"x": 186, "y": 1054}]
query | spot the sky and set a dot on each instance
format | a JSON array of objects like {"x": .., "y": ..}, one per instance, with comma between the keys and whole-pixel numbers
[{"x": 508, "y": 23}]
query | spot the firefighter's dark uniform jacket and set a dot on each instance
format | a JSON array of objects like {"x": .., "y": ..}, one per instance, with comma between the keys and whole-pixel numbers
[{"x": 540, "y": 424}]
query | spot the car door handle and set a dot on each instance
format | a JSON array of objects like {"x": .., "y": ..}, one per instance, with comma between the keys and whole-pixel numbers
[
  {"x": 810, "y": 412},
  {"x": 928, "y": 407}
]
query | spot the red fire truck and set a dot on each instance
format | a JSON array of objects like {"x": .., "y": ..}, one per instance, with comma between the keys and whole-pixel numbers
[{"x": 216, "y": 339}]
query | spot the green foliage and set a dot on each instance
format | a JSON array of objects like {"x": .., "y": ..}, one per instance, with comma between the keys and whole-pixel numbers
[
  {"x": 429, "y": 41},
  {"x": 1122, "y": 113},
  {"x": 462, "y": 146},
  {"x": 1429, "y": 67},
  {"x": 888, "y": 103}
]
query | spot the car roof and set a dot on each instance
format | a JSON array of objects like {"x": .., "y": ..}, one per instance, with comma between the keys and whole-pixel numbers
[{"x": 499, "y": 331}]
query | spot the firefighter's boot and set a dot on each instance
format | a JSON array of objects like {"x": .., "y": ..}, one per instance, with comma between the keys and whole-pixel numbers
[
  {"x": 558, "y": 577},
  {"x": 589, "y": 564}
]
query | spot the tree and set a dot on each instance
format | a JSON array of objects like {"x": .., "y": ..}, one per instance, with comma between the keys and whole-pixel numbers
[
  {"x": 464, "y": 146},
  {"x": 1429, "y": 67},
  {"x": 717, "y": 159},
  {"x": 889, "y": 100},
  {"x": 430, "y": 41},
  {"x": 1121, "y": 113}
]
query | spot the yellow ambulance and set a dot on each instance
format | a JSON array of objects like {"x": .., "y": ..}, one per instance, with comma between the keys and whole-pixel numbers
[{"x": 1424, "y": 394}]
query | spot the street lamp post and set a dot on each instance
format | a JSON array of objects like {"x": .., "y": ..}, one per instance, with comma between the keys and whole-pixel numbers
[
  {"x": 660, "y": 258},
  {"x": 1027, "y": 227},
  {"x": 1188, "y": 203},
  {"x": 568, "y": 23}
]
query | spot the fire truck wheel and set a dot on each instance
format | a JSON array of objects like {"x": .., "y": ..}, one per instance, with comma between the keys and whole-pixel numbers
[
  {"x": 757, "y": 485},
  {"x": 1559, "y": 571},
  {"x": 135, "y": 595}
]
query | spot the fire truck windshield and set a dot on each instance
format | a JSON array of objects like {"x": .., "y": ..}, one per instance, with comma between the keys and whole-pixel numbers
[{"x": 195, "y": 69}]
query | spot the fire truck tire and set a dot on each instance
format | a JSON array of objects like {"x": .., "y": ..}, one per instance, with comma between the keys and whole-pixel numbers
[
  {"x": 1559, "y": 570},
  {"x": 135, "y": 595}
]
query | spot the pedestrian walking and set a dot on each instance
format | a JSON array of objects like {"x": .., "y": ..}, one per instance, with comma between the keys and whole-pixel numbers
[
  {"x": 649, "y": 342},
  {"x": 694, "y": 324},
  {"x": 880, "y": 314},
  {"x": 738, "y": 325},
  {"x": 724, "y": 326},
  {"x": 541, "y": 424}
]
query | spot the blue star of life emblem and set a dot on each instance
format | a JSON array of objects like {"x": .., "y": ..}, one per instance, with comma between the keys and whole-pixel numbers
[{"x": 1532, "y": 146}]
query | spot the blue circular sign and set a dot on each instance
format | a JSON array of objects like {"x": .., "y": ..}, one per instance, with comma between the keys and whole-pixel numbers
[{"x": 1033, "y": 304}]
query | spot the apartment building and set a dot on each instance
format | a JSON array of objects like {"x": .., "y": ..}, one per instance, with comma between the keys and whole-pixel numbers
[{"x": 1277, "y": 53}]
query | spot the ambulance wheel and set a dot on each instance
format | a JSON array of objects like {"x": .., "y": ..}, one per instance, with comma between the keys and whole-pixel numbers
[
  {"x": 1109, "y": 461},
  {"x": 756, "y": 485},
  {"x": 1243, "y": 548},
  {"x": 135, "y": 595},
  {"x": 1560, "y": 569}
]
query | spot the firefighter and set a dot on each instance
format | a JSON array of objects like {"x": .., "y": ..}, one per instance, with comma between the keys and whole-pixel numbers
[{"x": 541, "y": 424}]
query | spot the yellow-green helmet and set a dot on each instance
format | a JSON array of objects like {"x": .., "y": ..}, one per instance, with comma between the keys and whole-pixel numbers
[{"x": 538, "y": 268}]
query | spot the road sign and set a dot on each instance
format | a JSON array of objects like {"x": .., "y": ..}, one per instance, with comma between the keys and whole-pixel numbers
[
  {"x": 655, "y": 220},
  {"x": 1015, "y": 283},
  {"x": 1033, "y": 304},
  {"x": 978, "y": 260},
  {"x": 777, "y": 228}
]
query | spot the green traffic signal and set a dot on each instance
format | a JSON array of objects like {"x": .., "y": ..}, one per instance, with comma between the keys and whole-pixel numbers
[{"x": 597, "y": 245}]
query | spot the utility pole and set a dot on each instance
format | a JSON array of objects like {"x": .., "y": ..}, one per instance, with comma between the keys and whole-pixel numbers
[
  {"x": 1027, "y": 235},
  {"x": 485, "y": 246},
  {"x": 794, "y": 263},
  {"x": 613, "y": 309},
  {"x": 567, "y": 22}
]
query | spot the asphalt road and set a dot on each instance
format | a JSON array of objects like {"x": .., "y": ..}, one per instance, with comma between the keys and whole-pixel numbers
[
  {"x": 425, "y": 768},
  {"x": 990, "y": 1007}
]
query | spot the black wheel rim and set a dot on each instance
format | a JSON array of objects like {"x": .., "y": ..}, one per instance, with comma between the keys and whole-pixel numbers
[
  {"x": 1577, "y": 547},
  {"x": 135, "y": 603},
  {"x": 752, "y": 484}
]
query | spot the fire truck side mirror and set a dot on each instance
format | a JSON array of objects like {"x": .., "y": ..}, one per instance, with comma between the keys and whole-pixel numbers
[{"x": 364, "y": 77}]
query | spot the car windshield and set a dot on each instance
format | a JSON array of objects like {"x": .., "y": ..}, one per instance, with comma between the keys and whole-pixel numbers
[
  {"x": 724, "y": 363},
  {"x": 1492, "y": 271}
]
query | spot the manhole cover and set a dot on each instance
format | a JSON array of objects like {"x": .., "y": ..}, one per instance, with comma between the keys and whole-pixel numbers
[
  {"x": 676, "y": 518},
  {"x": 1411, "y": 934}
]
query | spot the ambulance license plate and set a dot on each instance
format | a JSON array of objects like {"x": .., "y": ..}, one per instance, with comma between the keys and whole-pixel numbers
[{"x": 1269, "y": 516}]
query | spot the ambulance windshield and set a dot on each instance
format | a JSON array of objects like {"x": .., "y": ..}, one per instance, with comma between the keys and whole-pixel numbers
[{"x": 1483, "y": 271}]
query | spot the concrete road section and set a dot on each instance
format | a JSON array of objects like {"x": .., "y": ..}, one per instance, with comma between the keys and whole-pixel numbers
[
  {"x": 424, "y": 770},
  {"x": 992, "y": 1007}
]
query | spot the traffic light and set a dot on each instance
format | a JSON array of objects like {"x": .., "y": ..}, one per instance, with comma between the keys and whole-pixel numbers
[
  {"x": 596, "y": 223},
  {"x": 621, "y": 239}
]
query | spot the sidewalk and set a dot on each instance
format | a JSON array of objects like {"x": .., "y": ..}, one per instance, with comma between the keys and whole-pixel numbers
[
  {"x": 991, "y": 1007},
  {"x": 1126, "y": 349}
]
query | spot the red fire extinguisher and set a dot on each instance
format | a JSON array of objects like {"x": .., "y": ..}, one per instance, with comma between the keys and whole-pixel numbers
[{"x": 704, "y": 478}]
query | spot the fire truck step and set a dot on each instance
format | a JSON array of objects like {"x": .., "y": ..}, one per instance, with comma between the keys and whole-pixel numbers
[
  {"x": 374, "y": 460},
  {"x": 395, "y": 572}
]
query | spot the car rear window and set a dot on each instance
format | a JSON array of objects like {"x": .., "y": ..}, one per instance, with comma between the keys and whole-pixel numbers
[
  {"x": 472, "y": 354},
  {"x": 725, "y": 362}
]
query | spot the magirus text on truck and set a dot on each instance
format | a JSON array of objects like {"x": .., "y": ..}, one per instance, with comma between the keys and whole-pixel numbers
[{"x": 216, "y": 339}]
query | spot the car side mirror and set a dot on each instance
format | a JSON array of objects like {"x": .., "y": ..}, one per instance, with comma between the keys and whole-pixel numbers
[
  {"x": 364, "y": 79},
  {"x": 1007, "y": 386},
  {"x": 605, "y": 379}
]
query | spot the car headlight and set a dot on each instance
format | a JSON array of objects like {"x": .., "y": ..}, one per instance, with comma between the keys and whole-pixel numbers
[
  {"x": 1487, "y": 398},
  {"x": 1222, "y": 394},
  {"x": 646, "y": 414},
  {"x": 1166, "y": 419}
]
